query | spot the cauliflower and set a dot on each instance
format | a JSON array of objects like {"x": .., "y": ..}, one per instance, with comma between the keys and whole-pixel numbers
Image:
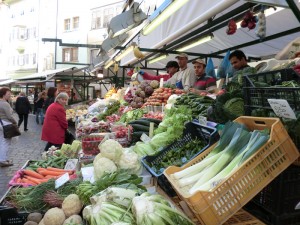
[
  {"x": 103, "y": 165},
  {"x": 130, "y": 161},
  {"x": 111, "y": 149}
]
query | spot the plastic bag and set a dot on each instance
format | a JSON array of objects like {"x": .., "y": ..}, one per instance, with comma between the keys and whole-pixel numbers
[
  {"x": 210, "y": 68},
  {"x": 225, "y": 67}
]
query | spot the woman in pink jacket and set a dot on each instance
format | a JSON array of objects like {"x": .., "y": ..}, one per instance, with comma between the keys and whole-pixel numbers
[{"x": 55, "y": 123}]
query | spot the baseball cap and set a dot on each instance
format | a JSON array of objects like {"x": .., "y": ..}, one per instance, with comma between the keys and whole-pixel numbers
[
  {"x": 182, "y": 55},
  {"x": 200, "y": 61},
  {"x": 172, "y": 64}
]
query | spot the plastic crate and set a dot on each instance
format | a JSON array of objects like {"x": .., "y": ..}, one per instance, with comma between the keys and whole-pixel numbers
[
  {"x": 282, "y": 194},
  {"x": 273, "y": 219},
  {"x": 216, "y": 206},
  {"x": 192, "y": 131},
  {"x": 243, "y": 217},
  {"x": 90, "y": 144},
  {"x": 275, "y": 77},
  {"x": 257, "y": 97}
]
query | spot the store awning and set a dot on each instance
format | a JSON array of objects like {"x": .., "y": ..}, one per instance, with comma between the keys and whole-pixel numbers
[
  {"x": 49, "y": 74},
  {"x": 8, "y": 81}
]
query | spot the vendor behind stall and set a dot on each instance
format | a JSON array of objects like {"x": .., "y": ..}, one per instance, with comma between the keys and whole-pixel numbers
[
  {"x": 203, "y": 82},
  {"x": 184, "y": 78},
  {"x": 240, "y": 65},
  {"x": 172, "y": 67}
]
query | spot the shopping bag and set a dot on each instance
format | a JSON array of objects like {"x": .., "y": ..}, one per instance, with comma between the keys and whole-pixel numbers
[
  {"x": 10, "y": 130},
  {"x": 69, "y": 137}
]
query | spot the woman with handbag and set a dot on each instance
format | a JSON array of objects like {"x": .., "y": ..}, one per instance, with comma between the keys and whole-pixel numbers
[
  {"x": 6, "y": 116},
  {"x": 55, "y": 122}
]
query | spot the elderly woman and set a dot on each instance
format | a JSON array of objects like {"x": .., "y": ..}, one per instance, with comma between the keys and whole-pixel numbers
[
  {"x": 6, "y": 116},
  {"x": 55, "y": 123}
]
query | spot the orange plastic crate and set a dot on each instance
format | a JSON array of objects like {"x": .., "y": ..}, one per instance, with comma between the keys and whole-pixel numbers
[{"x": 216, "y": 206}]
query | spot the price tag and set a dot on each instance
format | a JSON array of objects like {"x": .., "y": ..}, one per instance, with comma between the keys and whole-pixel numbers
[
  {"x": 282, "y": 108},
  {"x": 145, "y": 138},
  {"x": 127, "y": 90},
  {"x": 151, "y": 129},
  {"x": 62, "y": 180},
  {"x": 71, "y": 164},
  {"x": 202, "y": 120},
  {"x": 161, "y": 83},
  {"x": 88, "y": 174}
]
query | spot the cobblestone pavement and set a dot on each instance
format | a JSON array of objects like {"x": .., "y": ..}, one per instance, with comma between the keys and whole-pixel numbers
[{"x": 29, "y": 146}]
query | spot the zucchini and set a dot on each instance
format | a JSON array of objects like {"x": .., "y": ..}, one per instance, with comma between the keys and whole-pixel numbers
[
  {"x": 139, "y": 127},
  {"x": 142, "y": 122},
  {"x": 155, "y": 121}
]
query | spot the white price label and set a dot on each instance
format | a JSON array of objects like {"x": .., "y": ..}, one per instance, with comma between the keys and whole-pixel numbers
[
  {"x": 127, "y": 90},
  {"x": 161, "y": 83},
  {"x": 71, "y": 164},
  {"x": 145, "y": 138},
  {"x": 88, "y": 174},
  {"x": 282, "y": 108},
  {"x": 202, "y": 120},
  {"x": 62, "y": 180}
]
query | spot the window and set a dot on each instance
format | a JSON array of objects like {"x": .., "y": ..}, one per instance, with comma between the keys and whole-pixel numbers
[
  {"x": 75, "y": 22},
  {"x": 108, "y": 15},
  {"x": 31, "y": 32},
  {"x": 94, "y": 53},
  {"x": 26, "y": 59},
  {"x": 96, "y": 20},
  {"x": 67, "y": 24},
  {"x": 21, "y": 60},
  {"x": 22, "y": 33},
  {"x": 70, "y": 54}
]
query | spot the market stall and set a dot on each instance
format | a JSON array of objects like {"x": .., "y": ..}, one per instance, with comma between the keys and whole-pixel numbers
[{"x": 151, "y": 153}]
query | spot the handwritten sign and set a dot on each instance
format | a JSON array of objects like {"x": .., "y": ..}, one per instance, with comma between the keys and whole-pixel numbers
[
  {"x": 145, "y": 138},
  {"x": 161, "y": 83},
  {"x": 62, "y": 180},
  {"x": 282, "y": 108},
  {"x": 71, "y": 164}
]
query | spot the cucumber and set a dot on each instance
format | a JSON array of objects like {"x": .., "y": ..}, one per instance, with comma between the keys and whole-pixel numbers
[
  {"x": 155, "y": 121},
  {"x": 139, "y": 127},
  {"x": 141, "y": 122},
  {"x": 138, "y": 134}
]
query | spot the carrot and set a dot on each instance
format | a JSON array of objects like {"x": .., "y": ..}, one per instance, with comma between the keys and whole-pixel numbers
[
  {"x": 49, "y": 172},
  {"x": 60, "y": 170},
  {"x": 40, "y": 169},
  {"x": 34, "y": 174},
  {"x": 51, "y": 176},
  {"x": 36, "y": 180},
  {"x": 26, "y": 181},
  {"x": 19, "y": 180}
]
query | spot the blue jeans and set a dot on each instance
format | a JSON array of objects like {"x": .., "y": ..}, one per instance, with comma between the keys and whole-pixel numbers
[{"x": 39, "y": 115}]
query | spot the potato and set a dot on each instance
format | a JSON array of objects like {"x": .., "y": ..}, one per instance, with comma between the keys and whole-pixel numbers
[
  {"x": 35, "y": 217},
  {"x": 54, "y": 216},
  {"x": 74, "y": 220},
  {"x": 41, "y": 222},
  {"x": 30, "y": 223}
]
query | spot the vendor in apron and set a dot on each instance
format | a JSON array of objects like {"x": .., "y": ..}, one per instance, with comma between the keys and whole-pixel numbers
[{"x": 184, "y": 78}]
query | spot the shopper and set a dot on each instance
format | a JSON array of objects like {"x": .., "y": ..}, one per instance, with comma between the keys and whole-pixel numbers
[
  {"x": 172, "y": 67},
  {"x": 51, "y": 94},
  {"x": 184, "y": 78},
  {"x": 240, "y": 65},
  {"x": 203, "y": 82},
  {"x": 39, "y": 108},
  {"x": 23, "y": 108},
  {"x": 55, "y": 123},
  {"x": 6, "y": 116}
]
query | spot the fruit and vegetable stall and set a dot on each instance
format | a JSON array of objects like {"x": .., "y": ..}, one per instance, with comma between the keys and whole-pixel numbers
[{"x": 159, "y": 155}]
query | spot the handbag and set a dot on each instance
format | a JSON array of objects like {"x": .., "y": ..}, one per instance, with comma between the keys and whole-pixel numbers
[
  {"x": 69, "y": 137},
  {"x": 10, "y": 130}
]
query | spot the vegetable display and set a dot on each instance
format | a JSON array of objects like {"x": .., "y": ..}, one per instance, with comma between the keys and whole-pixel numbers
[
  {"x": 177, "y": 156},
  {"x": 160, "y": 96},
  {"x": 235, "y": 146}
]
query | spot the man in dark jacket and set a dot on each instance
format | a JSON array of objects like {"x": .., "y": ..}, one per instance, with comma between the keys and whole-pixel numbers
[{"x": 23, "y": 109}]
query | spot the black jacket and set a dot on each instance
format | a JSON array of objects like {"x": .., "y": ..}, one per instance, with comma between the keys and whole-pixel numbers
[
  {"x": 48, "y": 102},
  {"x": 23, "y": 105}
]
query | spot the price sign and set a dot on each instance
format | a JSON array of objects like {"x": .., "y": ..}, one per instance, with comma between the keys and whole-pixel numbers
[
  {"x": 62, "y": 180},
  {"x": 202, "y": 120},
  {"x": 71, "y": 164},
  {"x": 282, "y": 108},
  {"x": 145, "y": 138},
  {"x": 161, "y": 83},
  {"x": 88, "y": 174}
]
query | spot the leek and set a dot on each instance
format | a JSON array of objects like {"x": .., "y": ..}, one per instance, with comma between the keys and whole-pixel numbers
[{"x": 239, "y": 140}]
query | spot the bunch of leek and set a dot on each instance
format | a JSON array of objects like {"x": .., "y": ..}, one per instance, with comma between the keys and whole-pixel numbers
[
  {"x": 154, "y": 209},
  {"x": 235, "y": 146}
]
